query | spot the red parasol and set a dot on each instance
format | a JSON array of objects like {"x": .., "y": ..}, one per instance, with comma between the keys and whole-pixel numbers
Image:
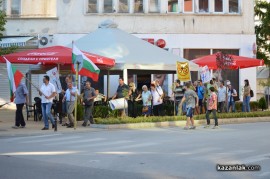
[
  {"x": 238, "y": 62},
  {"x": 53, "y": 55}
]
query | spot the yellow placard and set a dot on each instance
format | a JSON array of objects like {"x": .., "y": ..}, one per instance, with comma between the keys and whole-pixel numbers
[{"x": 183, "y": 72}]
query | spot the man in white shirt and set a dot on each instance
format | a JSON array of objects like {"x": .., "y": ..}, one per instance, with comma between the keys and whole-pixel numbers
[
  {"x": 47, "y": 93},
  {"x": 70, "y": 97},
  {"x": 221, "y": 97}
]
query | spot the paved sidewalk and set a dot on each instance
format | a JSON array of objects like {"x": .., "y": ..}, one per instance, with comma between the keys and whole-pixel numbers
[{"x": 7, "y": 120}]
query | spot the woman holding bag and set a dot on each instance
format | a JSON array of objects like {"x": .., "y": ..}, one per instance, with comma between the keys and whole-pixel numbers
[{"x": 147, "y": 101}]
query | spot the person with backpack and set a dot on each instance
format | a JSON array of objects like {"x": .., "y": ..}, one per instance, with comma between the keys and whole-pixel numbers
[{"x": 246, "y": 97}]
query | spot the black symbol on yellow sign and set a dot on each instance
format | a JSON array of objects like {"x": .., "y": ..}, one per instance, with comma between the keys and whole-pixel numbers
[{"x": 182, "y": 69}]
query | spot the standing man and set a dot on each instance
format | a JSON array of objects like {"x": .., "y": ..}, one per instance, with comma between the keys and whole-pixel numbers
[
  {"x": 221, "y": 97},
  {"x": 64, "y": 103},
  {"x": 178, "y": 95},
  {"x": 21, "y": 97},
  {"x": 89, "y": 95},
  {"x": 70, "y": 97},
  {"x": 267, "y": 94},
  {"x": 212, "y": 108},
  {"x": 47, "y": 93},
  {"x": 190, "y": 97},
  {"x": 200, "y": 92},
  {"x": 120, "y": 93},
  {"x": 231, "y": 102}
]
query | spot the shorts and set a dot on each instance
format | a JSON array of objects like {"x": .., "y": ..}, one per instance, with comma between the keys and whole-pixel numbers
[{"x": 190, "y": 112}]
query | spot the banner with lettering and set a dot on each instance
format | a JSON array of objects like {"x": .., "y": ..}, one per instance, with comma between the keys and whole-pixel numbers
[
  {"x": 54, "y": 79},
  {"x": 205, "y": 74}
]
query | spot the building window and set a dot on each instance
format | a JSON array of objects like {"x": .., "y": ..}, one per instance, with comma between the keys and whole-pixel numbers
[
  {"x": 233, "y": 6},
  {"x": 203, "y": 6},
  {"x": 153, "y": 6},
  {"x": 192, "y": 54},
  {"x": 218, "y": 5},
  {"x": 138, "y": 6},
  {"x": 15, "y": 7},
  {"x": 188, "y": 5},
  {"x": 123, "y": 6},
  {"x": 108, "y": 6},
  {"x": 173, "y": 6},
  {"x": 231, "y": 75},
  {"x": 92, "y": 6}
]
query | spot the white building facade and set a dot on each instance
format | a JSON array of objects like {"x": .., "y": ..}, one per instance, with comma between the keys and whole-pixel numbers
[{"x": 189, "y": 28}]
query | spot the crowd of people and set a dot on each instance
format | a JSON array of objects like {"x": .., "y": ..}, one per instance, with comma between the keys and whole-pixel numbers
[{"x": 189, "y": 99}]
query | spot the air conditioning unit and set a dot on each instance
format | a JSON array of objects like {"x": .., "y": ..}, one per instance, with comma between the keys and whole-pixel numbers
[{"x": 45, "y": 40}]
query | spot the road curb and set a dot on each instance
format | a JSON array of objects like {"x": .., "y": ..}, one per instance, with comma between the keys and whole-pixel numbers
[{"x": 179, "y": 123}]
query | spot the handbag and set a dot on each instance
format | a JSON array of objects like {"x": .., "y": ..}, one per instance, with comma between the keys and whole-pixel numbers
[{"x": 145, "y": 109}]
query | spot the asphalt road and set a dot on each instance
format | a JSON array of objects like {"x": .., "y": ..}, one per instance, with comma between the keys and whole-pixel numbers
[{"x": 141, "y": 153}]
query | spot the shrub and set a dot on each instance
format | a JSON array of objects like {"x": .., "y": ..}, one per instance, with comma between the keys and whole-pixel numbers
[
  {"x": 140, "y": 119},
  {"x": 262, "y": 103},
  {"x": 80, "y": 110}
]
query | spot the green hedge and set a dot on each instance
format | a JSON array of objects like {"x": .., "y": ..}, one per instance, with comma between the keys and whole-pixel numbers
[
  {"x": 127, "y": 120},
  {"x": 106, "y": 112}
]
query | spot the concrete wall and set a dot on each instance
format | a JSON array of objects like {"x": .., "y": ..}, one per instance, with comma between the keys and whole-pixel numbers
[{"x": 71, "y": 18}]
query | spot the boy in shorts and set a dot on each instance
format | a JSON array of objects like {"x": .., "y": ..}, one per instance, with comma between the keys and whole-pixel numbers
[{"x": 191, "y": 99}]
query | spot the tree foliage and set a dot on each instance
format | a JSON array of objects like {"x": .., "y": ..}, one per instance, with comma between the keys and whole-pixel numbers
[
  {"x": 3, "y": 21},
  {"x": 262, "y": 30}
]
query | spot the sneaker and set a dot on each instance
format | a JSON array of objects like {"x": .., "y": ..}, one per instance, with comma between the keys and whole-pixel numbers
[
  {"x": 15, "y": 127},
  {"x": 207, "y": 126},
  {"x": 84, "y": 124},
  {"x": 186, "y": 128},
  {"x": 216, "y": 127},
  {"x": 45, "y": 128},
  {"x": 22, "y": 126},
  {"x": 70, "y": 126},
  {"x": 192, "y": 127}
]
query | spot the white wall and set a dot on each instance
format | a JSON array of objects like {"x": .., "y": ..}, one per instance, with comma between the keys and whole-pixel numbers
[{"x": 71, "y": 18}]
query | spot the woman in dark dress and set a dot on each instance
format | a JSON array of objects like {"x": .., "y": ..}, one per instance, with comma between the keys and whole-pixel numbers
[{"x": 133, "y": 97}]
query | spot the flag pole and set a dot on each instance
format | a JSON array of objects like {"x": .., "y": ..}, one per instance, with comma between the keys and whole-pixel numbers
[{"x": 76, "y": 94}]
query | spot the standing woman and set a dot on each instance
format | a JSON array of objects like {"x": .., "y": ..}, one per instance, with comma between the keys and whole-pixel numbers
[
  {"x": 246, "y": 97},
  {"x": 133, "y": 97},
  {"x": 147, "y": 100},
  {"x": 157, "y": 100}
]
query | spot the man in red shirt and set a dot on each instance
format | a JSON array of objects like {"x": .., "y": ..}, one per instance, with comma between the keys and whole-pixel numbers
[{"x": 212, "y": 107}]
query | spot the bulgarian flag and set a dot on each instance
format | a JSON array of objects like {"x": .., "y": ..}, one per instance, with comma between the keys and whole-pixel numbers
[
  {"x": 14, "y": 77},
  {"x": 86, "y": 66}
]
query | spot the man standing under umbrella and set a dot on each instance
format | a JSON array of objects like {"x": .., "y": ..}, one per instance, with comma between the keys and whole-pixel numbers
[
  {"x": 47, "y": 93},
  {"x": 89, "y": 95}
]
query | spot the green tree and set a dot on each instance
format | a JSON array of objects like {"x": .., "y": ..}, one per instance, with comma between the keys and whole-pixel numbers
[
  {"x": 3, "y": 21},
  {"x": 262, "y": 30}
]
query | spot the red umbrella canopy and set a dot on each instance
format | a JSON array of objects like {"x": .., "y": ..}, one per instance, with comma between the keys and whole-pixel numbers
[
  {"x": 236, "y": 62},
  {"x": 53, "y": 55}
]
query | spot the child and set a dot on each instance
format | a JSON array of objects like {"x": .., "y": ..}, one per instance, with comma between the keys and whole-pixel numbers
[{"x": 212, "y": 107}]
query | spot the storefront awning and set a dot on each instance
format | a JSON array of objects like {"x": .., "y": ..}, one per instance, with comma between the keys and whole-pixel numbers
[{"x": 14, "y": 41}]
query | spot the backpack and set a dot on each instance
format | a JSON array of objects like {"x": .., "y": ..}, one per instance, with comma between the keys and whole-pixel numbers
[{"x": 251, "y": 93}]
